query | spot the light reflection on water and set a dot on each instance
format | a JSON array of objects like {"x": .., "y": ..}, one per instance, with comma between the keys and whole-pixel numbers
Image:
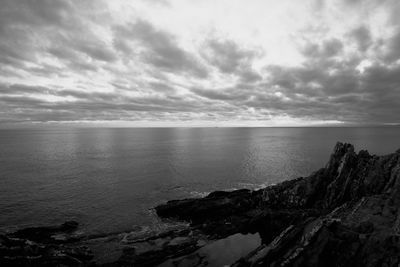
[{"x": 107, "y": 179}]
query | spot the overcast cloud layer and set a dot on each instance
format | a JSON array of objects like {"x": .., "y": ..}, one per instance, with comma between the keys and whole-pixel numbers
[{"x": 188, "y": 62}]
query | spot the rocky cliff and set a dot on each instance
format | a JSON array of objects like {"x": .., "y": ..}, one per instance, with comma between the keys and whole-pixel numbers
[{"x": 345, "y": 214}]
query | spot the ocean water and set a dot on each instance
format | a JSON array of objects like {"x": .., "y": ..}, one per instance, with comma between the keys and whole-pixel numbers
[{"x": 109, "y": 179}]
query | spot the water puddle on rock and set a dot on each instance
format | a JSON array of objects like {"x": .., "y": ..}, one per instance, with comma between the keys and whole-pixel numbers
[{"x": 222, "y": 252}]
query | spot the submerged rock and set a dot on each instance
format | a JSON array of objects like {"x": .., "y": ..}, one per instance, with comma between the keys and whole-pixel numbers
[
  {"x": 44, "y": 246},
  {"x": 54, "y": 234}
]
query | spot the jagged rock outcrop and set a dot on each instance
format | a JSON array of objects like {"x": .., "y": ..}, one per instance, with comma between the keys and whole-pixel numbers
[{"x": 346, "y": 214}]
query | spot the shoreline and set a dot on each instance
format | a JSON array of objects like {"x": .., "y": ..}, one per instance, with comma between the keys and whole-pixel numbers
[{"x": 343, "y": 214}]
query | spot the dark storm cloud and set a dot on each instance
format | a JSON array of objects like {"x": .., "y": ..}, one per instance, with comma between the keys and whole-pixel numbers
[
  {"x": 45, "y": 70},
  {"x": 23, "y": 21},
  {"x": 15, "y": 48},
  {"x": 16, "y": 89},
  {"x": 392, "y": 47},
  {"x": 332, "y": 47},
  {"x": 227, "y": 55},
  {"x": 97, "y": 51},
  {"x": 230, "y": 58},
  {"x": 320, "y": 89},
  {"x": 159, "y": 48},
  {"x": 314, "y": 80},
  {"x": 215, "y": 94},
  {"x": 323, "y": 87},
  {"x": 78, "y": 50},
  {"x": 29, "y": 103},
  {"x": 33, "y": 30},
  {"x": 63, "y": 53},
  {"x": 41, "y": 13},
  {"x": 362, "y": 37},
  {"x": 21, "y": 91},
  {"x": 326, "y": 89},
  {"x": 25, "y": 101},
  {"x": 380, "y": 87},
  {"x": 382, "y": 75},
  {"x": 235, "y": 95},
  {"x": 161, "y": 87},
  {"x": 249, "y": 76},
  {"x": 315, "y": 107},
  {"x": 327, "y": 49}
]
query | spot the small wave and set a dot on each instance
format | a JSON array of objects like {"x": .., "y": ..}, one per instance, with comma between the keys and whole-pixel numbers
[
  {"x": 199, "y": 194},
  {"x": 253, "y": 186},
  {"x": 139, "y": 232}
]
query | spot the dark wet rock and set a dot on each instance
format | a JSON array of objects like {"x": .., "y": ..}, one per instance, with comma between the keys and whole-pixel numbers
[
  {"x": 213, "y": 207},
  {"x": 54, "y": 234},
  {"x": 154, "y": 257},
  {"x": 155, "y": 249},
  {"x": 345, "y": 214},
  {"x": 42, "y": 246},
  {"x": 319, "y": 242},
  {"x": 360, "y": 218}
]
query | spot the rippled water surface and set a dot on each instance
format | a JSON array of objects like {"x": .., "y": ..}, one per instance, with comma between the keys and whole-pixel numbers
[{"x": 108, "y": 179}]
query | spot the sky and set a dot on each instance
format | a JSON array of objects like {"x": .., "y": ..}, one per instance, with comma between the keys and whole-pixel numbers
[{"x": 199, "y": 63}]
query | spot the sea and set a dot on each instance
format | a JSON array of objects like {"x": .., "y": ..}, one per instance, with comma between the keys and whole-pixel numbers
[{"x": 109, "y": 179}]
